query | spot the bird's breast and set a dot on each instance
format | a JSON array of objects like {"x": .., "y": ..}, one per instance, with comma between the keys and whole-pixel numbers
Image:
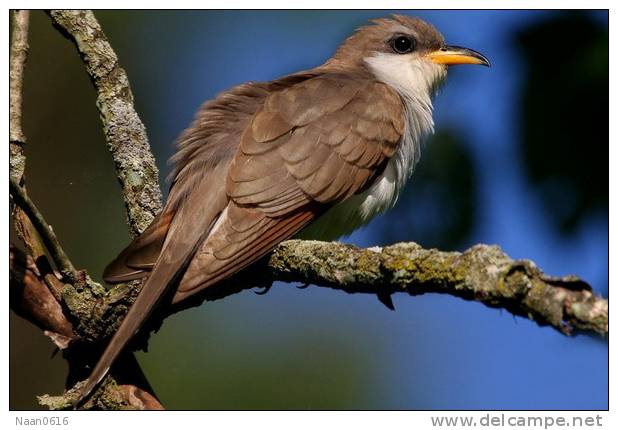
[{"x": 357, "y": 210}]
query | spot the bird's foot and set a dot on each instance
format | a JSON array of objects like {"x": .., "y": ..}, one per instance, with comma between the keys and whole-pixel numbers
[
  {"x": 264, "y": 290},
  {"x": 386, "y": 299}
]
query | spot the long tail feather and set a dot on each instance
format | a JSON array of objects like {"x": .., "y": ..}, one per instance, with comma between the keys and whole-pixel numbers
[
  {"x": 151, "y": 293},
  {"x": 176, "y": 253}
]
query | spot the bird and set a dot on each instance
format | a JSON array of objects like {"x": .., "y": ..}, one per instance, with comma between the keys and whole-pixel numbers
[{"x": 314, "y": 154}]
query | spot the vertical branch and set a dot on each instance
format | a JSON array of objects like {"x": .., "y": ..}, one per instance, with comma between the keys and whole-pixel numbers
[
  {"x": 19, "y": 55},
  {"x": 17, "y": 139},
  {"x": 124, "y": 131}
]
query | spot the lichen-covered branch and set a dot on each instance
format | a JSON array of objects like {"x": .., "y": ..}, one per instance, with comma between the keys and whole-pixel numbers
[
  {"x": 127, "y": 390},
  {"x": 30, "y": 298},
  {"x": 482, "y": 273},
  {"x": 124, "y": 131},
  {"x": 112, "y": 396}
]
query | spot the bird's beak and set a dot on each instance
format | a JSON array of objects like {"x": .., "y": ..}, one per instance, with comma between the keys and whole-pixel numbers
[{"x": 451, "y": 55}]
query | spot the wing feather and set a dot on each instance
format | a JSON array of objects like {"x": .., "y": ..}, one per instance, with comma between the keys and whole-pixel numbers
[{"x": 224, "y": 254}]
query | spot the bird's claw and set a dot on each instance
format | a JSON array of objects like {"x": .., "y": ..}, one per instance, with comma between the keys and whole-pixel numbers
[
  {"x": 264, "y": 291},
  {"x": 386, "y": 299},
  {"x": 303, "y": 286}
]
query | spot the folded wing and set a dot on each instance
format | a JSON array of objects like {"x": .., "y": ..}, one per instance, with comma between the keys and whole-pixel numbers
[{"x": 309, "y": 146}]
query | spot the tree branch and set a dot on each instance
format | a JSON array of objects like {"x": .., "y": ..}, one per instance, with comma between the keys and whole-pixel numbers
[
  {"x": 482, "y": 273},
  {"x": 17, "y": 139},
  {"x": 19, "y": 55},
  {"x": 124, "y": 131}
]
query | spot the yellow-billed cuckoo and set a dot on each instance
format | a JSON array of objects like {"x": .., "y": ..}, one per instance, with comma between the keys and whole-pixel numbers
[{"x": 315, "y": 154}]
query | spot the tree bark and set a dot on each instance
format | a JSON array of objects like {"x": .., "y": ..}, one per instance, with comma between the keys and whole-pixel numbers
[{"x": 124, "y": 131}]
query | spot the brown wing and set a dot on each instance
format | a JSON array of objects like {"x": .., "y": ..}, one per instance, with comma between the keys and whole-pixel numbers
[
  {"x": 204, "y": 150},
  {"x": 210, "y": 142},
  {"x": 311, "y": 145},
  {"x": 137, "y": 260}
]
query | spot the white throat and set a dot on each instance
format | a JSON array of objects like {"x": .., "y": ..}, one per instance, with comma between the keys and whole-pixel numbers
[
  {"x": 416, "y": 80},
  {"x": 411, "y": 74}
]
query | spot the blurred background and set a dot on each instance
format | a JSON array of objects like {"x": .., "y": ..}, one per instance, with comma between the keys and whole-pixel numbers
[{"x": 518, "y": 160}]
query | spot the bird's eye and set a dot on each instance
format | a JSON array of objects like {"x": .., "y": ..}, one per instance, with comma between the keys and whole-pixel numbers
[{"x": 403, "y": 44}]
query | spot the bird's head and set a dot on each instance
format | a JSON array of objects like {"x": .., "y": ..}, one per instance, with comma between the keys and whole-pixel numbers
[{"x": 407, "y": 53}]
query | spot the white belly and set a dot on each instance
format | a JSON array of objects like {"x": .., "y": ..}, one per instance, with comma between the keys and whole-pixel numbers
[{"x": 356, "y": 211}]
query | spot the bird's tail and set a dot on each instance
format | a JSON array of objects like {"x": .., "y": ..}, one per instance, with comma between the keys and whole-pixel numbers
[
  {"x": 151, "y": 293},
  {"x": 170, "y": 264}
]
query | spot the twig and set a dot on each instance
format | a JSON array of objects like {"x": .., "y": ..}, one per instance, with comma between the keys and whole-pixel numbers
[
  {"x": 50, "y": 240},
  {"x": 125, "y": 134}
]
